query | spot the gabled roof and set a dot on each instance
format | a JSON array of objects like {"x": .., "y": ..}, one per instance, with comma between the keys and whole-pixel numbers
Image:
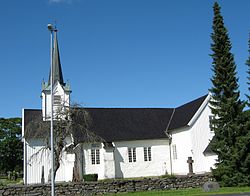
[
  {"x": 183, "y": 114},
  {"x": 124, "y": 124},
  {"x": 30, "y": 116},
  {"x": 116, "y": 124}
]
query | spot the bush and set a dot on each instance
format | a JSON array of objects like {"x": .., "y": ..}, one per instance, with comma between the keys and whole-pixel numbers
[
  {"x": 13, "y": 175},
  {"x": 169, "y": 176},
  {"x": 2, "y": 183},
  {"x": 90, "y": 177}
]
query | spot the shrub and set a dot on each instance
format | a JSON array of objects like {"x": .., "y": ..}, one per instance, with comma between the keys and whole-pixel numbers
[
  {"x": 169, "y": 176},
  {"x": 90, "y": 177}
]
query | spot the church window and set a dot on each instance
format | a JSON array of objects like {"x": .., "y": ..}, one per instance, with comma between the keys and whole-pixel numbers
[
  {"x": 57, "y": 99},
  {"x": 95, "y": 156},
  {"x": 211, "y": 125},
  {"x": 147, "y": 153},
  {"x": 132, "y": 154},
  {"x": 174, "y": 151}
]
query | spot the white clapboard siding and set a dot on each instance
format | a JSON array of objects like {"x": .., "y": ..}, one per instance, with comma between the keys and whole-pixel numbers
[
  {"x": 38, "y": 157},
  {"x": 201, "y": 135},
  {"x": 159, "y": 164},
  {"x": 181, "y": 141},
  {"x": 191, "y": 141}
]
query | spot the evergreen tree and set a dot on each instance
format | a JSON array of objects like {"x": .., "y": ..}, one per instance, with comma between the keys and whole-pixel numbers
[
  {"x": 225, "y": 104},
  {"x": 248, "y": 77},
  {"x": 243, "y": 141},
  {"x": 243, "y": 149}
]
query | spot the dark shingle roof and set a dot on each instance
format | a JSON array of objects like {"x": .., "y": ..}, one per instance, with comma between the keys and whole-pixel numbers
[
  {"x": 123, "y": 124},
  {"x": 32, "y": 119},
  {"x": 116, "y": 124},
  {"x": 184, "y": 113}
]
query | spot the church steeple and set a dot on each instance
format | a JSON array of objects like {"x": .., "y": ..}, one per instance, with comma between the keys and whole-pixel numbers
[
  {"x": 61, "y": 90},
  {"x": 56, "y": 63}
]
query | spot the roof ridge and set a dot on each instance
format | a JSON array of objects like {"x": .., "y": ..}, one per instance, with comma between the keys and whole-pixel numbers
[
  {"x": 33, "y": 109},
  {"x": 194, "y": 100}
]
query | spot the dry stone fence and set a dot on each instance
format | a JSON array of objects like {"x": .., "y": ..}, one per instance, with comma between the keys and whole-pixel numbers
[{"x": 109, "y": 186}]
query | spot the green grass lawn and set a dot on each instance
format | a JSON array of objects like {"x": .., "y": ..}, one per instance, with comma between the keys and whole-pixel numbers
[
  {"x": 182, "y": 192},
  {"x": 188, "y": 192},
  {"x": 5, "y": 181}
]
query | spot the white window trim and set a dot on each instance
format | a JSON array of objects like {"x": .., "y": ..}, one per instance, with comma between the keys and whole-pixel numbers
[
  {"x": 147, "y": 153},
  {"x": 131, "y": 155},
  {"x": 174, "y": 150},
  {"x": 95, "y": 156}
]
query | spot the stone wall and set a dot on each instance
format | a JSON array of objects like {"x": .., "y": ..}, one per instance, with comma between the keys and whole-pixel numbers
[{"x": 108, "y": 186}]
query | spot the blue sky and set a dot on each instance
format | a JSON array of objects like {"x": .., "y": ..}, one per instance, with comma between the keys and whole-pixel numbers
[{"x": 116, "y": 53}]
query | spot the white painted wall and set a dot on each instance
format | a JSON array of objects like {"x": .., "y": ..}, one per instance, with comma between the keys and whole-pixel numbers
[
  {"x": 46, "y": 99},
  {"x": 115, "y": 164},
  {"x": 159, "y": 165},
  {"x": 201, "y": 135},
  {"x": 109, "y": 163},
  {"x": 36, "y": 158},
  {"x": 24, "y": 151},
  {"x": 192, "y": 141},
  {"x": 181, "y": 138},
  {"x": 88, "y": 167}
]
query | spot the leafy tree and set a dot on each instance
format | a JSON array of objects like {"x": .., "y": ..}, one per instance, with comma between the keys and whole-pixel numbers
[
  {"x": 225, "y": 104},
  {"x": 11, "y": 150}
]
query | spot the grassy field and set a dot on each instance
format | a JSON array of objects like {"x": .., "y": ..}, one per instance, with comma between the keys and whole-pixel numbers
[
  {"x": 5, "y": 181},
  {"x": 188, "y": 192},
  {"x": 182, "y": 192}
]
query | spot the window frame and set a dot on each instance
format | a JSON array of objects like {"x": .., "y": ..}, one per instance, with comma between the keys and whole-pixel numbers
[
  {"x": 95, "y": 156},
  {"x": 57, "y": 99},
  {"x": 211, "y": 125},
  {"x": 131, "y": 154},
  {"x": 174, "y": 151},
  {"x": 147, "y": 153}
]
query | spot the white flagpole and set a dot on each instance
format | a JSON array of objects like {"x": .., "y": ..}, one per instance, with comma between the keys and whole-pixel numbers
[{"x": 51, "y": 29}]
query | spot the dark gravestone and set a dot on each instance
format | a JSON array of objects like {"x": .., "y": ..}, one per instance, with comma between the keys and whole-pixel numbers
[
  {"x": 49, "y": 176},
  {"x": 190, "y": 166},
  {"x": 42, "y": 177},
  {"x": 210, "y": 186}
]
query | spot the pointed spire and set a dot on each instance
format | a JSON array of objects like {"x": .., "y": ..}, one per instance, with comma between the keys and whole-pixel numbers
[{"x": 56, "y": 64}]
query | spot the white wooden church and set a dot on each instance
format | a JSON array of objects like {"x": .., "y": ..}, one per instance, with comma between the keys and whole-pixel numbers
[{"x": 139, "y": 142}]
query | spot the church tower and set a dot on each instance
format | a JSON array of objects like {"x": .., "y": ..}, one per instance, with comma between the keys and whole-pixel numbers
[{"x": 61, "y": 90}]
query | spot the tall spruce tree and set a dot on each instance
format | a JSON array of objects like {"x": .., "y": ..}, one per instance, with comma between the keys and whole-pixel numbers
[
  {"x": 225, "y": 103},
  {"x": 244, "y": 139},
  {"x": 248, "y": 71},
  {"x": 243, "y": 149}
]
